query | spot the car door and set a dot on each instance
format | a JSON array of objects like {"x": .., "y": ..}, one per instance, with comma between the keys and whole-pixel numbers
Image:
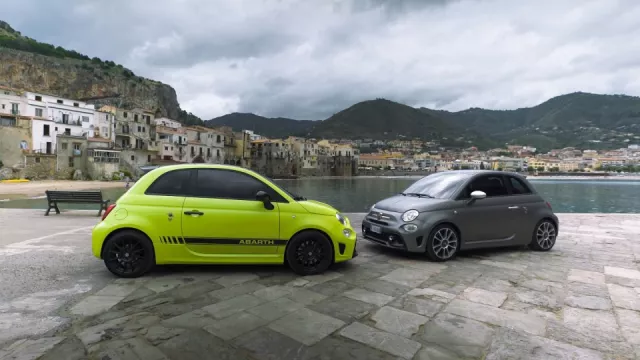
[
  {"x": 522, "y": 203},
  {"x": 161, "y": 206},
  {"x": 223, "y": 220},
  {"x": 486, "y": 222}
]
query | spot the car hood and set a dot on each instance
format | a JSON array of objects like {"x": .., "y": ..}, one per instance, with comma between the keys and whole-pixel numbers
[
  {"x": 401, "y": 203},
  {"x": 317, "y": 207}
]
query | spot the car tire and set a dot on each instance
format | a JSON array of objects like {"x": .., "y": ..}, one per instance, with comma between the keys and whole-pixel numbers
[
  {"x": 128, "y": 254},
  {"x": 544, "y": 236},
  {"x": 443, "y": 243},
  {"x": 309, "y": 253}
]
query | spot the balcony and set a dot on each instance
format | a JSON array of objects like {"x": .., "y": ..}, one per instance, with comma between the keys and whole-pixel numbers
[
  {"x": 15, "y": 112},
  {"x": 77, "y": 152},
  {"x": 67, "y": 121}
]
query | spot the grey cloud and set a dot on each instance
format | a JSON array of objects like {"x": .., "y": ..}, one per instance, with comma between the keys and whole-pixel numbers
[{"x": 311, "y": 58}]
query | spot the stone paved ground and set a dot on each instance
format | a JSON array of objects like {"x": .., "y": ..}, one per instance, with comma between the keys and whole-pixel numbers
[{"x": 579, "y": 301}]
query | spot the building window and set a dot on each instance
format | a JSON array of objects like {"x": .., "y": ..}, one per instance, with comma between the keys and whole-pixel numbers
[
  {"x": 38, "y": 98},
  {"x": 39, "y": 112},
  {"x": 85, "y": 119},
  {"x": 37, "y": 159},
  {"x": 76, "y": 146},
  {"x": 65, "y": 118},
  {"x": 149, "y": 158},
  {"x": 63, "y": 146},
  {"x": 133, "y": 158},
  {"x": 76, "y": 104},
  {"x": 217, "y": 152},
  {"x": 135, "y": 117},
  {"x": 45, "y": 130},
  {"x": 125, "y": 114},
  {"x": 60, "y": 102},
  {"x": 218, "y": 138},
  {"x": 166, "y": 148},
  {"x": 70, "y": 161},
  {"x": 67, "y": 131},
  {"x": 3, "y": 106}
]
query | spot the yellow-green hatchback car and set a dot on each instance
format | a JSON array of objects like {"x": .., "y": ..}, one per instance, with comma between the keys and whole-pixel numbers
[{"x": 218, "y": 214}]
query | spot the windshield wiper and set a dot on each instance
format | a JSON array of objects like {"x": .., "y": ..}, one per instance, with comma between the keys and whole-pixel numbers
[{"x": 417, "y": 195}]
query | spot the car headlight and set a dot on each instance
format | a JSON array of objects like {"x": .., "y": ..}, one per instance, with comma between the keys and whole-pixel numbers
[
  {"x": 410, "y": 215},
  {"x": 341, "y": 218}
]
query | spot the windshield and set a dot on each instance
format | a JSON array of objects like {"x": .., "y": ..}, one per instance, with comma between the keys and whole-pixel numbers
[{"x": 437, "y": 186}]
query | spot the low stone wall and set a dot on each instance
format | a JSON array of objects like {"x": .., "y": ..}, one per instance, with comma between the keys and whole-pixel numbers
[{"x": 362, "y": 172}]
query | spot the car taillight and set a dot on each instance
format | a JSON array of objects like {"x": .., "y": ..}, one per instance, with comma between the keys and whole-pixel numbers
[
  {"x": 106, "y": 212},
  {"x": 548, "y": 205}
]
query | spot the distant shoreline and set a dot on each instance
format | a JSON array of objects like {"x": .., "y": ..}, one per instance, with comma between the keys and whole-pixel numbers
[{"x": 419, "y": 176}]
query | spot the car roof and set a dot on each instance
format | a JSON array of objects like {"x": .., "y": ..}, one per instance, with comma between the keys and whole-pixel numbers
[
  {"x": 471, "y": 173},
  {"x": 159, "y": 171}
]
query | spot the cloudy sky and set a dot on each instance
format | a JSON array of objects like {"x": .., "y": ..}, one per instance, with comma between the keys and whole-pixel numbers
[{"x": 308, "y": 59}]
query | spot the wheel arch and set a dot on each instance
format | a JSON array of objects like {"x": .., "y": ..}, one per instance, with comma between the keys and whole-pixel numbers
[
  {"x": 448, "y": 223},
  {"x": 123, "y": 229}
]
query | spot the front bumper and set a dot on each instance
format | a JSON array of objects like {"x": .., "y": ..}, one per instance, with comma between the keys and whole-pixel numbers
[{"x": 391, "y": 234}]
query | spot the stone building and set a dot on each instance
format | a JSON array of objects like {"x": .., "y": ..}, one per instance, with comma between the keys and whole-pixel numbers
[{"x": 274, "y": 158}]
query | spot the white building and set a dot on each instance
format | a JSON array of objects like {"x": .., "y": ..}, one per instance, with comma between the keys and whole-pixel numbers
[
  {"x": 54, "y": 115},
  {"x": 252, "y": 136},
  {"x": 168, "y": 123},
  {"x": 11, "y": 103},
  {"x": 103, "y": 126}
]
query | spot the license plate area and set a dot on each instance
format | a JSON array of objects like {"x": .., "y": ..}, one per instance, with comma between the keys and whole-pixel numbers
[{"x": 376, "y": 229}]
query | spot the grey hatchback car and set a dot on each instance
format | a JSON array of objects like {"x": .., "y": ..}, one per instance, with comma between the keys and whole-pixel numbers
[{"x": 449, "y": 211}]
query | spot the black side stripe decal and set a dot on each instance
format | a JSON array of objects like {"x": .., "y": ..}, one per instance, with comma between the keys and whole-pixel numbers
[{"x": 213, "y": 241}]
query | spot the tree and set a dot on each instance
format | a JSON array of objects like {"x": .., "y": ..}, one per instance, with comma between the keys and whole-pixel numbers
[
  {"x": 518, "y": 169},
  {"x": 530, "y": 169},
  {"x": 540, "y": 168}
]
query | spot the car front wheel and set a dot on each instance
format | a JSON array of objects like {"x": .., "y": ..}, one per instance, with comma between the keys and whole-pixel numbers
[
  {"x": 443, "y": 243},
  {"x": 309, "y": 253},
  {"x": 128, "y": 254},
  {"x": 544, "y": 236}
]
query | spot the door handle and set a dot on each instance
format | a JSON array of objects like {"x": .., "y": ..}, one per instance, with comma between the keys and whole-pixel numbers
[
  {"x": 194, "y": 212},
  {"x": 514, "y": 207}
]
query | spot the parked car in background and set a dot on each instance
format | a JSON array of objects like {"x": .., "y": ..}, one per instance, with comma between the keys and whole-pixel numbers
[
  {"x": 218, "y": 214},
  {"x": 446, "y": 212}
]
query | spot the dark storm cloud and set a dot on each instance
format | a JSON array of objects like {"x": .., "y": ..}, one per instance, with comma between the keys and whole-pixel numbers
[{"x": 311, "y": 58}]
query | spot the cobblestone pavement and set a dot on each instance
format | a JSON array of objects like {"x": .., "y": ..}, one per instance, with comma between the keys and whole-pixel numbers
[{"x": 579, "y": 301}]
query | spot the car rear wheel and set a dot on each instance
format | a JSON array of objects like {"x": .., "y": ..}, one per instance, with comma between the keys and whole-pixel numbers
[
  {"x": 309, "y": 253},
  {"x": 128, "y": 254},
  {"x": 443, "y": 243},
  {"x": 544, "y": 236}
]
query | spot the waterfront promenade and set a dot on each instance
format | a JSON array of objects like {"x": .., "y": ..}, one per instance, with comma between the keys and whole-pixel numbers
[{"x": 579, "y": 301}]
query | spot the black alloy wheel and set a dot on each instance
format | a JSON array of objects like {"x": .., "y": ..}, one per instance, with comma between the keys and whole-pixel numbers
[
  {"x": 309, "y": 253},
  {"x": 128, "y": 254}
]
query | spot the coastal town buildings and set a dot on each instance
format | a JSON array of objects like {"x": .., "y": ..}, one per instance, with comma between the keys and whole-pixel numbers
[{"x": 43, "y": 135}]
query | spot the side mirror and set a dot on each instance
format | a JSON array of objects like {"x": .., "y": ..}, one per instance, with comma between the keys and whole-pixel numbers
[
  {"x": 477, "y": 195},
  {"x": 265, "y": 199}
]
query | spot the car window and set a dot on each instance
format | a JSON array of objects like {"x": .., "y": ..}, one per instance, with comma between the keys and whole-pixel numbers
[
  {"x": 492, "y": 185},
  {"x": 518, "y": 187},
  {"x": 231, "y": 184},
  {"x": 173, "y": 183}
]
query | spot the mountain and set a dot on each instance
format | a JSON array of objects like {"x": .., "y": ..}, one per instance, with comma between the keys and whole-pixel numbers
[
  {"x": 269, "y": 127},
  {"x": 578, "y": 119},
  {"x": 27, "y": 64}
]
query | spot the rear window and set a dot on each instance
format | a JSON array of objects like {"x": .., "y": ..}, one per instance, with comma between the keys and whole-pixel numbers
[{"x": 173, "y": 183}]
